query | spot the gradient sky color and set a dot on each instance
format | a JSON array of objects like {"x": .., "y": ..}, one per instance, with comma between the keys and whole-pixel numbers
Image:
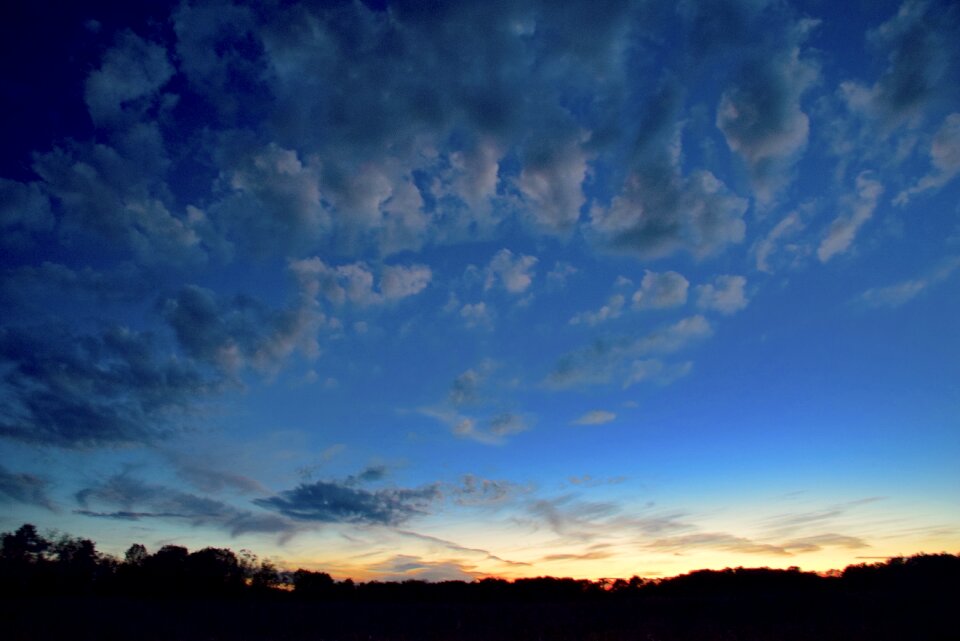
[{"x": 449, "y": 290}]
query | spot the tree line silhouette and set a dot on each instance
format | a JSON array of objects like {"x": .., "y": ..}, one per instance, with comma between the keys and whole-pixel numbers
[{"x": 913, "y": 597}]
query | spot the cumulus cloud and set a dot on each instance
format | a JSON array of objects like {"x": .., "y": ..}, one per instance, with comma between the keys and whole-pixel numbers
[
  {"x": 18, "y": 487},
  {"x": 354, "y": 282},
  {"x": 659, "y": 212},
  {"x": 944, "y": 157},
  {"x": 477, "y": 315},
  {"x": 595, "y": 417},
  {"x": 467, "y": 387},
  {"x": 761, "y": 118},
  {"x": 274, "y": 200},
  {"x": 81, "y": 390},
  {"x": 125, "y": 497},
  {"x": 130, "y": 71},
  {"x": 611, "y": 310},
  {"x": 551, "y": 182},
  {"x": 24, "y": 211},
  {"x": 331, "y": 502},
  {"x": 116, "y": 193},
  {"x": 659, "y": 291},
  {"x": 844, "y": 228},
  {"x": 725, "y": 295},
  {"x": 241, "y": 332},
  {"x": 513, "y": 273}
]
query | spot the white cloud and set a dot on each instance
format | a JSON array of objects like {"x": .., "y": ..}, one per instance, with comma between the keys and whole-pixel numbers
[
  {"x": 656, "y": 371},
  {"x": 514, "y": 273},
  {"x": 476, "y": 315},
  {"x": 611, "y": 310},
  {"x": 399, "y": 281},
  {"x": 659, "y": 291},
  {"x": 844, "y": 228},
  {"x": 354, "y": 282},
  {"x": 944, "y": 156},
  {"x": 726, "y": 294},
  {"x": 769, "y": 244},
  {"x": 595, "y": 417}
]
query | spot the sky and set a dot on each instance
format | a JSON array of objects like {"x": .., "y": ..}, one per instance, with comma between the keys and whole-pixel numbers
[{"x": 415, "y": 290}]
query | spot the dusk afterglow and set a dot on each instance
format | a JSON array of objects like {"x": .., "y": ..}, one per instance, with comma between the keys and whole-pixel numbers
[{"x": 422, "y": 290}]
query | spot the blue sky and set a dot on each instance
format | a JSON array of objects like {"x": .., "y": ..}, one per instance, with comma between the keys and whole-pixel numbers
[{"x": 408, "y": 291}]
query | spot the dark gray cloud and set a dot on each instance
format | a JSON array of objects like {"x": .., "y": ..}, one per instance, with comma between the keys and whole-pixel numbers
[
  {"x": 606, "y": 359},
  {"x": 923, "y": 59},
  {"x": 241, "y": 332},
  {"x": 32, "y": 291},
  {"x": 18, "y": 487},
  {"x": 117, "y": 387},
  {"x": 660, "y": 211},
  {"x": 761, "y": 117},
  {"x": 478, "y": 491},
  {"x": 336, "y": 502},
  {"x": 125, "y": 497},
  {"x": 131, "y": 72},
  {"x": 24, "y": 212}
]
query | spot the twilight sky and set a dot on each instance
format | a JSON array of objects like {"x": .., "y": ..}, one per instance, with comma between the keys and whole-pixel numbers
[{"x": 447, "y": 290}]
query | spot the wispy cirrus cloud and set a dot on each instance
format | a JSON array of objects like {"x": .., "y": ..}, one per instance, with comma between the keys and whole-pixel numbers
[
  {"x": 20, "y": 487},
  {"x": 605, "y": 360},
  {"x": 904, "y": 291},
  {"x": 125, "y": 497}
]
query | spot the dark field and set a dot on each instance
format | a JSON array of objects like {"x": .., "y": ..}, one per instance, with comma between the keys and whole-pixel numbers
[
  {"x": 65, "y": 589},
  {"x": 846, "y": 618}
]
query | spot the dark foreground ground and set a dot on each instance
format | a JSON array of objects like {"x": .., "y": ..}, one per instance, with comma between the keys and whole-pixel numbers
[{"x": 840, "y": 617}]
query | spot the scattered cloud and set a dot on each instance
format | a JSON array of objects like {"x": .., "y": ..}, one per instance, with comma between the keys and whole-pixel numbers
[
  {"x": 333, "y": 502},
  {"x": 660, "y": 291},
  {"x": 124, "y": 497},
  {"x": 476, "y": 491},
  {"x": 611, "y": 310},
  {"x": 603, "y": 360},
  {"x": 84, "y": 390},
  {"x": 761, "y": 117},
  {"x": 725, "y": 295},
  {"x": 354, "y": 283},
  {"x": 656, "y": 371},
  {"x": 513, "y": 273},
  {"x": 132, "y": 71},
  {"x": 240, "y": 332},
  {"x": 860, "y": 208},
  {"x": 900, "y": 293},
  {"x": 920, "y": 47},
  {"x": 595, "y": 417},
  {"x": 769, "y": 245},
  {"x": 944, "y": 158},
  {"x": 29, "y": 489}
]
